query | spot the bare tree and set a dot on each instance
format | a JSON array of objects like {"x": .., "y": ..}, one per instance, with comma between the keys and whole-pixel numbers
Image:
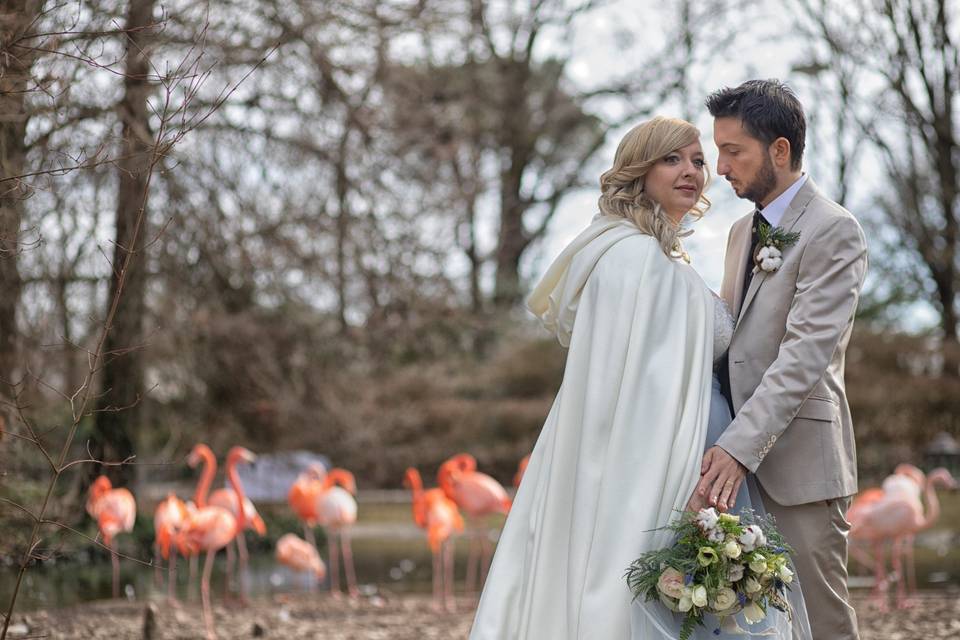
[
  {"x": 119, "y": 407},
  {"x": 17, "y": 24},
  {"x": 909, "y": 74}
]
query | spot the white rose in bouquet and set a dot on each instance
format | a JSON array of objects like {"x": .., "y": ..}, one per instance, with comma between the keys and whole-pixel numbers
[
  {"x": 785, "y": 574},
  {"x": 758, "y": 564},
  {"x": 670, "y": 583},
  {"x": 725, "y": 599},
  {"x": 735, "y": 572},
  {"x": 686, "y": 600},
  {"x": 751, "y": 586},
  {"x": 731, "y": 549},
  {"x": 699, "y": 595}
]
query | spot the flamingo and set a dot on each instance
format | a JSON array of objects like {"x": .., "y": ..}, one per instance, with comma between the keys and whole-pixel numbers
[
  {"x": 898, "y": 516},
  {"x": 167, "y": 520},
  {"x": 478, "y": 496},
  {"x": 907, "y": 480},
  {"x": 199, "y": 453},
  {"x": 213, "y": 527},
  {"x": 521, "y": 469},
  {"x": 439, "y": 516},
  {"x": 303, "y": 495},
  {"x": 115, "y": 511},
  {"x": 300, "y": 555},
  {"x": 227, "y": 498},
  {"x": 337, "y": 511}
]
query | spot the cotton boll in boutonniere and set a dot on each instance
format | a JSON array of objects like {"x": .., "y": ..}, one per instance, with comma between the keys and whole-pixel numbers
[{"x": 770, "y": 245}]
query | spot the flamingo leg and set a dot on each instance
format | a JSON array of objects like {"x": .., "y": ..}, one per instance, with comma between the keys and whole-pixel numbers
[
  {"x": 308, "y": 535},
  {"x": 172, "y": 576},
  {"x": 157, "y": 569},
  {"x": 205, "y": 595},
  {"x": 896, "y": 560},
  {"x": 192, "y": 574},
  {"x": 437, "y": 581},
  {"x": 486, "y": 555},
  {"x": 472, "y": 560},
  {"x": 244, "y": 560},
  {"x": 115, "y": 560},
  {"x": 228, "y": 571},
  {"x": 348, "y": 568},
  {"x": 448, "y": 595},
  {"x": 334, "y": 564},
  {"x": 880, "y": 577},
  {"x": 911, "y": 565}
]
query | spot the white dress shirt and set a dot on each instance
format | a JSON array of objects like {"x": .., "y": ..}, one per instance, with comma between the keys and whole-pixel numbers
[{"x": 774, "y": 211}]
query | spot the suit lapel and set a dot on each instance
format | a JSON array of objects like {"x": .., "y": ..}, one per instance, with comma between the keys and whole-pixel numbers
[
  {"x": 790, "y": 218},
  {"x": 741, "y": 248}
]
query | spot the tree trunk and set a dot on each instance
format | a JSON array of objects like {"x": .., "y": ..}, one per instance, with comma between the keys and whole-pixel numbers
[
  {"x": 15, "y": 66},
  {"x": 120, "y": 410},
  {"x": 343, "y": 228}
]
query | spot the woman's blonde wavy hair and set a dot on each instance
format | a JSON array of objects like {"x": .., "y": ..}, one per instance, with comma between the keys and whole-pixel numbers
[{"x": 622, "y": 192}]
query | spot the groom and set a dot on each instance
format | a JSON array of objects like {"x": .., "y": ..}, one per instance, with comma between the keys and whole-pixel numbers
[{"x": 784, "y": 372}]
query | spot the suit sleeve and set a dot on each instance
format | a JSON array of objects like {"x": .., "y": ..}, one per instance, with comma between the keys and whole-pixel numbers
[{"x": 830, "y": 276}]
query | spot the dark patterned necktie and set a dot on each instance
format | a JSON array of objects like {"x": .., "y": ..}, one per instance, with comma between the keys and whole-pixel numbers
[{"x": 758, "y": 220}]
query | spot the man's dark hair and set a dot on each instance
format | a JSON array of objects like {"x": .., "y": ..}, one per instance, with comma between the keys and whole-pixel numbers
[{"x": 769, "y": 109}]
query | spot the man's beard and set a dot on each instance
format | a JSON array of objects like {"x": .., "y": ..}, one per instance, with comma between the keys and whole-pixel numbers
[{"x": 763, "y": 184}]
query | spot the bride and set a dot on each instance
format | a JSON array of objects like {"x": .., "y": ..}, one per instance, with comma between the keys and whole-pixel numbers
[{"x": 620, "y": 452}]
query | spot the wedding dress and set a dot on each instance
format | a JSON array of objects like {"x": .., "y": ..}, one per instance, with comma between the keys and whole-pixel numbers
[
  {"x": 619, "y": 454},
  {"x": 652, "y": 621}
]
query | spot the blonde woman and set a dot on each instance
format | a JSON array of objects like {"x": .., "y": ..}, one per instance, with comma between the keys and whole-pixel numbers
[{"x": 620, "y": 451}]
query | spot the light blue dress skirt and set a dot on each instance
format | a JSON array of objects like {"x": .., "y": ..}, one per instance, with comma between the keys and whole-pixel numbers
[{"x": 748, "y": 497}]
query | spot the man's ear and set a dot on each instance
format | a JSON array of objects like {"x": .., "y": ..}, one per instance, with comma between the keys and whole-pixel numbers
[{"x": 780, "y": 152}]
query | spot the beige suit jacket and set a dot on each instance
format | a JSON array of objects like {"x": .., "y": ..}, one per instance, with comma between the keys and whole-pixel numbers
[{"x": 792, "y": 423}]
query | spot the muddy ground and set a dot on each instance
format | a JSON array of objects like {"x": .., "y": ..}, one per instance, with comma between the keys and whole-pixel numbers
[{"x": 936, "y": 615}]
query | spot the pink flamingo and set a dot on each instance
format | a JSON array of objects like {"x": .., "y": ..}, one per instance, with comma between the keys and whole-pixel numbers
[
  {"x": 898, "y": 516},
  {"x": 439, "y": 516},
  {"x": 227, "y": 498},
  {"x": 478, "y": 496},
  {"x": 300, "y": 555},
  {"x": 303, "y": 496},
  {"x": 212, "y": 528},
  {"x": 200, "y": 453},
  {"x": 115, "y": 511},
  {"x": 337, "y": 511},
  {"x": 167, "y": 520}
]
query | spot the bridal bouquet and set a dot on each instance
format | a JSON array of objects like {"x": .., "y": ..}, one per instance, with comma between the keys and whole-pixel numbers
[{"x": 722, "y": 564}]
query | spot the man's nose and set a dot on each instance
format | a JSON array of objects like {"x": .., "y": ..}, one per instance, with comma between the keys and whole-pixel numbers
[{"x": 723, "y": 167}]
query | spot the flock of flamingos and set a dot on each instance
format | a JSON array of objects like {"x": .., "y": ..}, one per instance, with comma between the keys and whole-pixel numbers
[
  {"x": 882, "y": 517},
  {"x": 318, "y": 497}
]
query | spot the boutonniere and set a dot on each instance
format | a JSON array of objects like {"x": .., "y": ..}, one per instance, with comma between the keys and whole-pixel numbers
[{"x": 771, "y": 243}]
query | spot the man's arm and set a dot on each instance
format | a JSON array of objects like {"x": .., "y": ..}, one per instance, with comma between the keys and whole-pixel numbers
[{"x": 830, "y": 276}]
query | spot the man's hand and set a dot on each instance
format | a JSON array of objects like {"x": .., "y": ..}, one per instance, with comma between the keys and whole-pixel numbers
[{"x": 720, "y": 479}]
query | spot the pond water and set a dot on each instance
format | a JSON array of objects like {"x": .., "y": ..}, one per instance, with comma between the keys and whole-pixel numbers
[{"x": 389, "y": 557}]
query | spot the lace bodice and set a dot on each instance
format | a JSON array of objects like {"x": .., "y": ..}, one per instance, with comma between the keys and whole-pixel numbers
[{"x": 722, "y": 327}]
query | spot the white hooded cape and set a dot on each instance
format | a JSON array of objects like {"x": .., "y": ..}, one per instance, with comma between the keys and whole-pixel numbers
[{"x": 620, "y": 452}]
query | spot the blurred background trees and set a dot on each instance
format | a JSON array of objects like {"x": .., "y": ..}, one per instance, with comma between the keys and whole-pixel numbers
[{"x": 334, "y": 259}]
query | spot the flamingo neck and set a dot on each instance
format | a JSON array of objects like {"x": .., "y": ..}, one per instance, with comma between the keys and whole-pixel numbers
[
  {"x": 338, "y": 477},
  {"x": 206, "y": 478},
  {"x": 234, "y": 478},
  {"x": 933, "y": 503},
  {"x": 416, "y": 486}
]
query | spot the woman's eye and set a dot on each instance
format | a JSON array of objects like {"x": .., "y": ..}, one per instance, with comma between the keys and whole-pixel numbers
[
  {"x": 700, "y": 163},
  {"x": 672, "y": 159}
]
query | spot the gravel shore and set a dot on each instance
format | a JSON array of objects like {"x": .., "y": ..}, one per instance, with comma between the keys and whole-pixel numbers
[{"x": 935, "y": 615}]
